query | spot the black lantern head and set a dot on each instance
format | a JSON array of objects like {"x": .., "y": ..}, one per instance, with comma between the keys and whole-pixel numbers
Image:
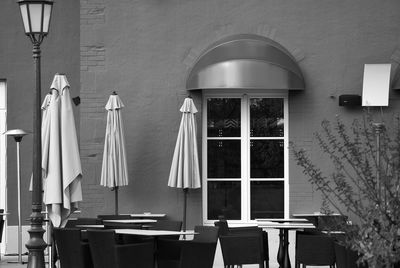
[{"x": 36, "y": 16}]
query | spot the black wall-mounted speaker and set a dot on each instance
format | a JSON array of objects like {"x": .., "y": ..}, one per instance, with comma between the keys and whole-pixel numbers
[{"x": 349, "y": 100}]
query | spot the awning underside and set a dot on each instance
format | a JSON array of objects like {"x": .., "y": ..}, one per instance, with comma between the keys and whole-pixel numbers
[{"x": 248, "y": 62}]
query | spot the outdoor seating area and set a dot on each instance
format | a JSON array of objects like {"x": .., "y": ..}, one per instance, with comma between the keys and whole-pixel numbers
[{"x": 91, "y": 243}]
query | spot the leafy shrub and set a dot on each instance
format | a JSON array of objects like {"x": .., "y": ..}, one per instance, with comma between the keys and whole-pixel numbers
[{"x": 364, "y": 183}]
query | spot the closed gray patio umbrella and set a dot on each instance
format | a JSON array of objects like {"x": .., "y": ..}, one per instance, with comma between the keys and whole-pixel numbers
[
  {"x": 61, "y": 164},
  {"x": 185, "y": 171},
  {"x": 114, "y": 172}
]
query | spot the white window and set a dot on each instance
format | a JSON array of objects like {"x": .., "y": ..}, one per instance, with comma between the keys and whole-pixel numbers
[{"x": 245, "y": 155}]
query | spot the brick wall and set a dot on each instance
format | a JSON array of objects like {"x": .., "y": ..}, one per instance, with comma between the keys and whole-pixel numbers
[
  {"x": 144, "y": 49},
  {"x": 93, "y": 114}
]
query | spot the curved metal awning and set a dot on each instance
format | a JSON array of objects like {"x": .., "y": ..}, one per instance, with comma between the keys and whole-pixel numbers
[{"x": 246, "y": 62}]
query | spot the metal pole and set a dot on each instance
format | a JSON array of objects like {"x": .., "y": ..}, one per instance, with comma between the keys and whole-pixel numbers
[
  {"x": 36, "y": 245},
  {"x": 185, "y": 192},
  {"x": 19, "y": 204},
  {"x": 116, "y": 199},
  {"x": 18, "y": 134}
]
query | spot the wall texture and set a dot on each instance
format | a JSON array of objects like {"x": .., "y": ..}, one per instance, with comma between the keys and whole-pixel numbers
[
  {"x": 143, "y": 50},
  {"x": 60, "y": 53}
]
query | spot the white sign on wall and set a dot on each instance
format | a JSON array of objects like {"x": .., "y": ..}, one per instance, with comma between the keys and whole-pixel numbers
[{"x": 376, "y": 85}]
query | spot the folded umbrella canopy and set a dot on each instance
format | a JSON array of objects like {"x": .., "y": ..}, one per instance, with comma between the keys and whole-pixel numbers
[
  {"x": 185, "y": 171},
  {"x": 61, "y": 164},
  {"x": 114, "y": 172}
]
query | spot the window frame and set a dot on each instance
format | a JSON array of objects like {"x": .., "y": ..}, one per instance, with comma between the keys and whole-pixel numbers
[{"x": 245, "y": 139}]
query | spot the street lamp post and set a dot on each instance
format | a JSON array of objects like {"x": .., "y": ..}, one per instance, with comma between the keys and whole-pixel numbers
[
  {"x": 18, "y": 134},
  {"x": 36, "y": 16}
]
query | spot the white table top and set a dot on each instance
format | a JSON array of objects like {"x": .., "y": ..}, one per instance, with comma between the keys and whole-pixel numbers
[
  {"x": 131, "y": 221},
  {"x": 90, "y": 226},
  {"x": 283, "y": 220},
  {"x": 152, "y": 232},
  {"x": 147, "y": 215},
  {"x": 286, "y": 225},
  {"x": 315, "y": 214}
]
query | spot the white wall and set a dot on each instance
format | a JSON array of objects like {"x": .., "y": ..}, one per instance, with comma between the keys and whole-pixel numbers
[{"x": 3, "y": 152}]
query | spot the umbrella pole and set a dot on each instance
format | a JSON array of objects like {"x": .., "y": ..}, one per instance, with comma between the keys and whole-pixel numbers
[
  {"x": 116, "y": 199},
  {"x": 185, "y": 192}
]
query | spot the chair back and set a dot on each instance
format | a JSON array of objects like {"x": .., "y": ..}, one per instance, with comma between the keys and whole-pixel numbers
[
  {"x": 1, "y": 228},
  {"x": 167, "y": 225},
  {"x": 72, "y": 251},
  {"x": 345, "y": 257},
  {"x": 206, "y": 234},
  {"x": 197, "y": 254},
  {"x": 102, "y": 244},
  {"x": 185, "y": 253},
  {"x": 254, "y": 230},
  {"x": 315, "y": 249},
  {"x": 239, "y": 249},
  {"x": 223, "y": 227}
]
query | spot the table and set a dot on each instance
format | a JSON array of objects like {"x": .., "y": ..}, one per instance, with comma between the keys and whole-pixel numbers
[
  {"x": 147, "y": 215},
  {"x": 283, "y": 220},
  {"x": 86, "y": 226},
  {"x": 131, "y": 221},
  {"x": 154, "y": 233},
  {"x": 284, "y": 227}
]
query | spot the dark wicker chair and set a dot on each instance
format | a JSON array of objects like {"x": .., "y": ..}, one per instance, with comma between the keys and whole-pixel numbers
[
  {"x": 1, "y": 226},
  {"x": 345, "y": 257},
  {"x": 185, "y": 254},
  {"x": 315, "y": 250},
  {"x": 169, "y": 254},
  {"x": 72, "y": 251},
  {"x": 167, "y": 225},
  {"x": 206, "y": 234},
  {"x": 108, "y": 253},
  {"x": 244, "y": 248},
  {"x": 225, "y": 230}
]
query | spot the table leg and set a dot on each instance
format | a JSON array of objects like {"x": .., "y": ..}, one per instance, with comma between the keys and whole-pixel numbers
[
  {"x": 281, "y": 249},
  {"x": 286, "y": 260}
]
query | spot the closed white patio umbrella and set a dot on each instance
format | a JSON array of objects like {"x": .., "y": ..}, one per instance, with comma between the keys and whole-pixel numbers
[
  {"x": 185, "y": 171},
  {"x": 61, "y": 164},
  {"x": 114, "y": 172}
]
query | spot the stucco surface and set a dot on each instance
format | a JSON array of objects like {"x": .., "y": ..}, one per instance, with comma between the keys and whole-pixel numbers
[{"x": 150, "y": 45}]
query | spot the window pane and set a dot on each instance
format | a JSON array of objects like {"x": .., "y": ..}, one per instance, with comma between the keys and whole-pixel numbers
[
  {"x": 223, "y": 117},
  {"x": 224, "y": 199},
  {"x": 266, "y": 159},
  {"x": 267, "y": 199},
  {"x": 223, "y": 159},
  {"x": 266, "y": 117}
]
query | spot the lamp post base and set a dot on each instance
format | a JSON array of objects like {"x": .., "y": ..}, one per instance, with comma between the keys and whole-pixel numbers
[{"x": 36, "y": 245}]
